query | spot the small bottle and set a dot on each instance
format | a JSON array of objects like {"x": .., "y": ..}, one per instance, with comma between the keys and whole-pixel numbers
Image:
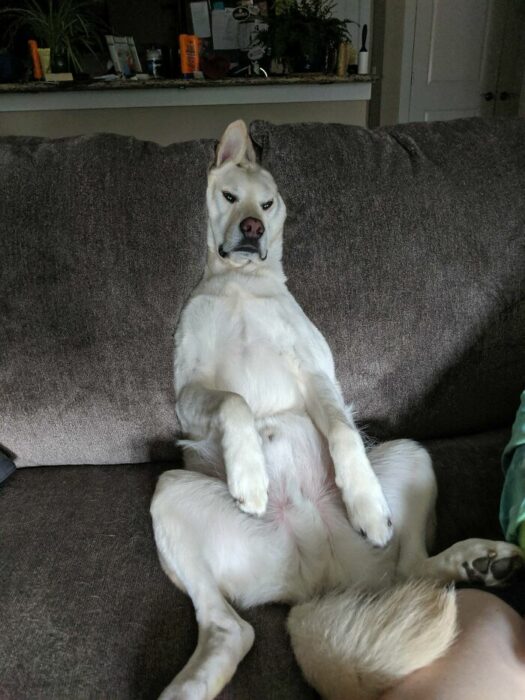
[
  {"x": 35, "y": 59},
  {"x": 154, "y": 61},
  {"x": 362, "y": 61},
  {"x": 189, "y": 45},
  {"x": 342, "y": 59}
]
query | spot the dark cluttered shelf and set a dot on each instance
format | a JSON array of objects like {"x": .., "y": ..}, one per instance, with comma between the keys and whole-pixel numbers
[{"x": 127, "y": 84}]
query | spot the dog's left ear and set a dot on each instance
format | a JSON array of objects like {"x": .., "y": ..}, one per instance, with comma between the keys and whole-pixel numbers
[{"x": 235, "y": 145}]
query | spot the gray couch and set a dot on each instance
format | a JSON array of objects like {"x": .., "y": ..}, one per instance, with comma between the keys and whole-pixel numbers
[{"x": 405, "y": 245}]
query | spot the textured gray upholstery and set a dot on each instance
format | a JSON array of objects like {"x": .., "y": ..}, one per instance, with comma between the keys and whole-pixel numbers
[
  {"x": 102, "y": 241},
  {"x": 406, "y": 246}
]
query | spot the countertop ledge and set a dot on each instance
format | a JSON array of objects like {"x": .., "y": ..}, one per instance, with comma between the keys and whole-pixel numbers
[{"x": 100, "y": 85}]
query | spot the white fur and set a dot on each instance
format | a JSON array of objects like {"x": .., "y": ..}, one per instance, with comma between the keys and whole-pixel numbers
[{"x": 280, "y": 500}]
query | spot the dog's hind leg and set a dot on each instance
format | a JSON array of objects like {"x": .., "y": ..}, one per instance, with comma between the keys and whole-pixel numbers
[
  {"x": 224, "y": 639},
  {"x": 212, "y": 551},
  {"x": 404, "y": 470}
]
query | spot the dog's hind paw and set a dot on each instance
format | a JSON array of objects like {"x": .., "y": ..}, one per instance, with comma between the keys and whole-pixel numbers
[{"x": 485, "y": 561}]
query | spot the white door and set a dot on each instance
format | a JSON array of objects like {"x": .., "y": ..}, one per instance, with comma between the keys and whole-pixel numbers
[
  {"x": 511, "y": 74},
  {"x": 456, "y": 54}
]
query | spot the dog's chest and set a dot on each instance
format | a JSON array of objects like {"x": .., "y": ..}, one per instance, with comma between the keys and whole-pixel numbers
[{"x": 251, "y": 350}]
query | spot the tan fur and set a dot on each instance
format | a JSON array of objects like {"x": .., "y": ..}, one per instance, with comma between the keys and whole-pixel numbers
[{"x": 354, "y": 645}]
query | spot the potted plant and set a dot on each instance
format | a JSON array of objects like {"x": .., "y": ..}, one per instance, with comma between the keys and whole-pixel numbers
[
  {"x": 304, "y": 35},
  {"x": 67, "y": 27}
]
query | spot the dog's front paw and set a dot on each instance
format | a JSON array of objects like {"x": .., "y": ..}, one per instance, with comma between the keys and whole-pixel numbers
[
  {"x": 363, "y": 496},
  {"x": 248, "y": 482},
  {"x": 369, "y": 515}
]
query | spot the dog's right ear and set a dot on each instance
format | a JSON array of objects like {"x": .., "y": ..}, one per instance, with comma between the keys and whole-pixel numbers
[{"x": 235, "y": 145}]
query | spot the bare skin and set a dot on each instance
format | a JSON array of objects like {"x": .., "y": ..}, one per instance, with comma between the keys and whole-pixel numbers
[{"x": 487, "y": 661}]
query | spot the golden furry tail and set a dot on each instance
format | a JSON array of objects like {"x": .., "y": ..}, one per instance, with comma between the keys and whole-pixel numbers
[{"x": 353, "y": 645}]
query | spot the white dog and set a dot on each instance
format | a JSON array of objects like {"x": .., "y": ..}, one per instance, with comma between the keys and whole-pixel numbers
[{"x": 281, "y": 501}]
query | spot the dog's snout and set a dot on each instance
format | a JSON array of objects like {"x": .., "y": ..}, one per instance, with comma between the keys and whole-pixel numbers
[{"x": 252, "y": 228}]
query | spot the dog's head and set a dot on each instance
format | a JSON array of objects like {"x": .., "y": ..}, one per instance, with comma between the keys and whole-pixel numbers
[{"x": 245, "y": 211}]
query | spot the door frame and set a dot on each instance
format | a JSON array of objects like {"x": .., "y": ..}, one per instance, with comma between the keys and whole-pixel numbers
[{"x": 407, "y": 54}]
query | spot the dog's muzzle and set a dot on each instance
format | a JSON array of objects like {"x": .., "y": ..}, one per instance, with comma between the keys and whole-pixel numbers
[{"x": 252, "y": 231}]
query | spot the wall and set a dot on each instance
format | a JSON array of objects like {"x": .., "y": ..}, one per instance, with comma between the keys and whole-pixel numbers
[
  {"x": 168, "y": 124},
  {"x": 392, "y": 53}
]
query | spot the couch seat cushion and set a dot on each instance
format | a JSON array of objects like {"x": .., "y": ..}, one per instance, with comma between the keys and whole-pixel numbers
[
  {"x": 85, "y": 609},
  {"x": 86, "y": 612}
]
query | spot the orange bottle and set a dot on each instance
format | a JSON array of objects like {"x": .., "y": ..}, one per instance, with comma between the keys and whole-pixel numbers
[
  {"x": 189, "y": 45},
  {"x": 35, "y": 58}
]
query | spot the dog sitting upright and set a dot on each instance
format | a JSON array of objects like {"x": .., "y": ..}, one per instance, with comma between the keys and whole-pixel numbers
[{"x": 280, "y": 500}]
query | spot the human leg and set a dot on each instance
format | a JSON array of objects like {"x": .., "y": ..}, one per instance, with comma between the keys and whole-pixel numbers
[{"x": 486, "y": 661}]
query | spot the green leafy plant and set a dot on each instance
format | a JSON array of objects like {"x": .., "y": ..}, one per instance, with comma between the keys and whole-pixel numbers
[
  {"x": 67, "y": 27},
  {"x": 303, "y": 33}
]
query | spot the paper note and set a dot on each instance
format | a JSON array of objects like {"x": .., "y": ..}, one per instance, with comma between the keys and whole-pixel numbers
[
  {"x": 200, "y": 19},
  {"x": 225, "y": 30}
]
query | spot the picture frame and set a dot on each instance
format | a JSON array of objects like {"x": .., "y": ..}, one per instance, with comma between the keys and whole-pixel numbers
[{"x": 123, "y": 54}]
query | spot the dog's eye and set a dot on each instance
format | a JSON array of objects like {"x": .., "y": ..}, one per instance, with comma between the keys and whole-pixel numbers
[
  {"x": 267, "y": 205},
  {"x": 229, "y": 196}
]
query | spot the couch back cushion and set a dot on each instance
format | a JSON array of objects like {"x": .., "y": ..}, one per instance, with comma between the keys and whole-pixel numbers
[
  {"x": 103, "y": 238},
  {"x": 406, "y": 246}
]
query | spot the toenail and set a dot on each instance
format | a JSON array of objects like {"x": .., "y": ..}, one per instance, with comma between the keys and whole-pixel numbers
[{"x": 362, "y": 533}]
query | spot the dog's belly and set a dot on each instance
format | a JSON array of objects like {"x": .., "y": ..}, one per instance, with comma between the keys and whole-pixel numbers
[
  {"x": 305, "y": 504},
  {"x": 262, "y": 376},
  {"x": 311, "y": 537}
]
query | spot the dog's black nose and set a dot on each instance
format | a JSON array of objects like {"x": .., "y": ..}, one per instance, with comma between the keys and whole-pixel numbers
[{"x": 252, "y": 228}]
